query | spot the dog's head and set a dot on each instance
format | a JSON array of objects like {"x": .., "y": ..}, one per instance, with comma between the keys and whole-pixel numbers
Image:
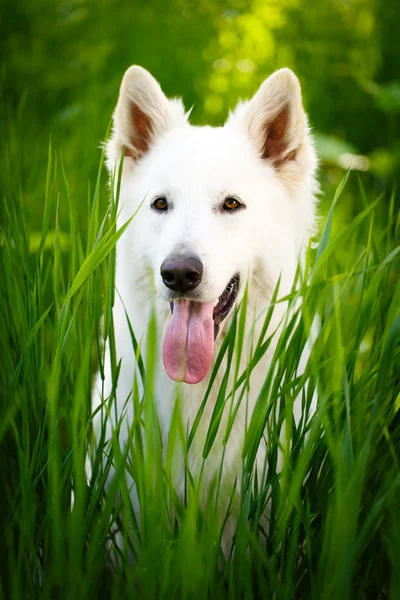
[{"x": 216, "y": 204}]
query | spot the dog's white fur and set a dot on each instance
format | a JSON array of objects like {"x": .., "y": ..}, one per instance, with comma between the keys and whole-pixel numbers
[{"x": 263, "y": 156}]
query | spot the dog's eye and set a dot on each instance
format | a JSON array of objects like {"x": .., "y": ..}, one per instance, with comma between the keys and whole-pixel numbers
[
  {"x": 231, "y": 204},
  {"x": 160, "y": 204}
]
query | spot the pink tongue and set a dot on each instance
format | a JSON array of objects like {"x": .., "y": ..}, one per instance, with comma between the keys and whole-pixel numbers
[{"x": 188, "y": 346}]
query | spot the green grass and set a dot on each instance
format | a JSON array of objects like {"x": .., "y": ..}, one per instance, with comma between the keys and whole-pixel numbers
[{"x": 333, "y": 509}]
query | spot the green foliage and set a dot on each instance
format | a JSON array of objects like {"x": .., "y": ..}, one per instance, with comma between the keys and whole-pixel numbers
[
  {"x": 62, "y": 63},
  {"x": 333, "y": 526},
  {"x": 332, "y": 509}
]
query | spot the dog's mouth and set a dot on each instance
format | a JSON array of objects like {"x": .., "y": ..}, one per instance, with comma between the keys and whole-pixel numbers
[
  {"x": 223, "y": 305},
  {"x": 188, "y": 347}
]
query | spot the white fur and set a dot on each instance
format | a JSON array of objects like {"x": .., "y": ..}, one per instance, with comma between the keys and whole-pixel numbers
[{"x": 196, "y": 168}]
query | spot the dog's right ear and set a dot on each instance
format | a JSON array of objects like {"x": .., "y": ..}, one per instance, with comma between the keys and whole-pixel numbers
[
  {"x": 275, "y": 122},
  {"x": 142, "y": 114}
]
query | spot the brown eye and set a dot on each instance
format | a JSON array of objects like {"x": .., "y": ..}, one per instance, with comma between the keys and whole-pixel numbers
[
  {"x": 160, "y": 204},
  {"x": 231, "y": 204}
]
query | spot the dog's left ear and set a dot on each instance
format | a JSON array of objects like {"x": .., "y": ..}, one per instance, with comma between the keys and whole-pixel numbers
[
  {"x": 143, "y": 113},
  {"x": 275, "y": 120}
]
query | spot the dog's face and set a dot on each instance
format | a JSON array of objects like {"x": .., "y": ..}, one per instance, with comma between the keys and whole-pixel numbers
[
  {"x": 214, "y": 203},
  {"x": 203, "y": 197}
]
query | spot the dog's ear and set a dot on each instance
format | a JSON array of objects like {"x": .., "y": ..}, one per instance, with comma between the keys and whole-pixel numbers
[
  {"x": 142, "y": 114},
  {"x": 275, "y": 120}
]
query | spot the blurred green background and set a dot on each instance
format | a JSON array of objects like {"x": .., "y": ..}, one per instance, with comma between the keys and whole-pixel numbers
[{"x": 62, "y": 62}]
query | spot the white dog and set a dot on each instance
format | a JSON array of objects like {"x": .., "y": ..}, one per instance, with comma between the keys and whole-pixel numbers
[{"x": 219, "y": 211}]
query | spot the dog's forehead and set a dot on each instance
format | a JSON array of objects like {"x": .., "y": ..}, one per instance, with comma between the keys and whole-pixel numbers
[{"x": 200, "y": 151}]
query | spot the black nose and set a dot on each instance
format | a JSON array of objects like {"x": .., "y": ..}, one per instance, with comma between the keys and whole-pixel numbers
[{"x": 182, "y": 274}]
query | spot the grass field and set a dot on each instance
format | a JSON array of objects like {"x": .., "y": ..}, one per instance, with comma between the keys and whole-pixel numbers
[{"x": 334, "y": 510}]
